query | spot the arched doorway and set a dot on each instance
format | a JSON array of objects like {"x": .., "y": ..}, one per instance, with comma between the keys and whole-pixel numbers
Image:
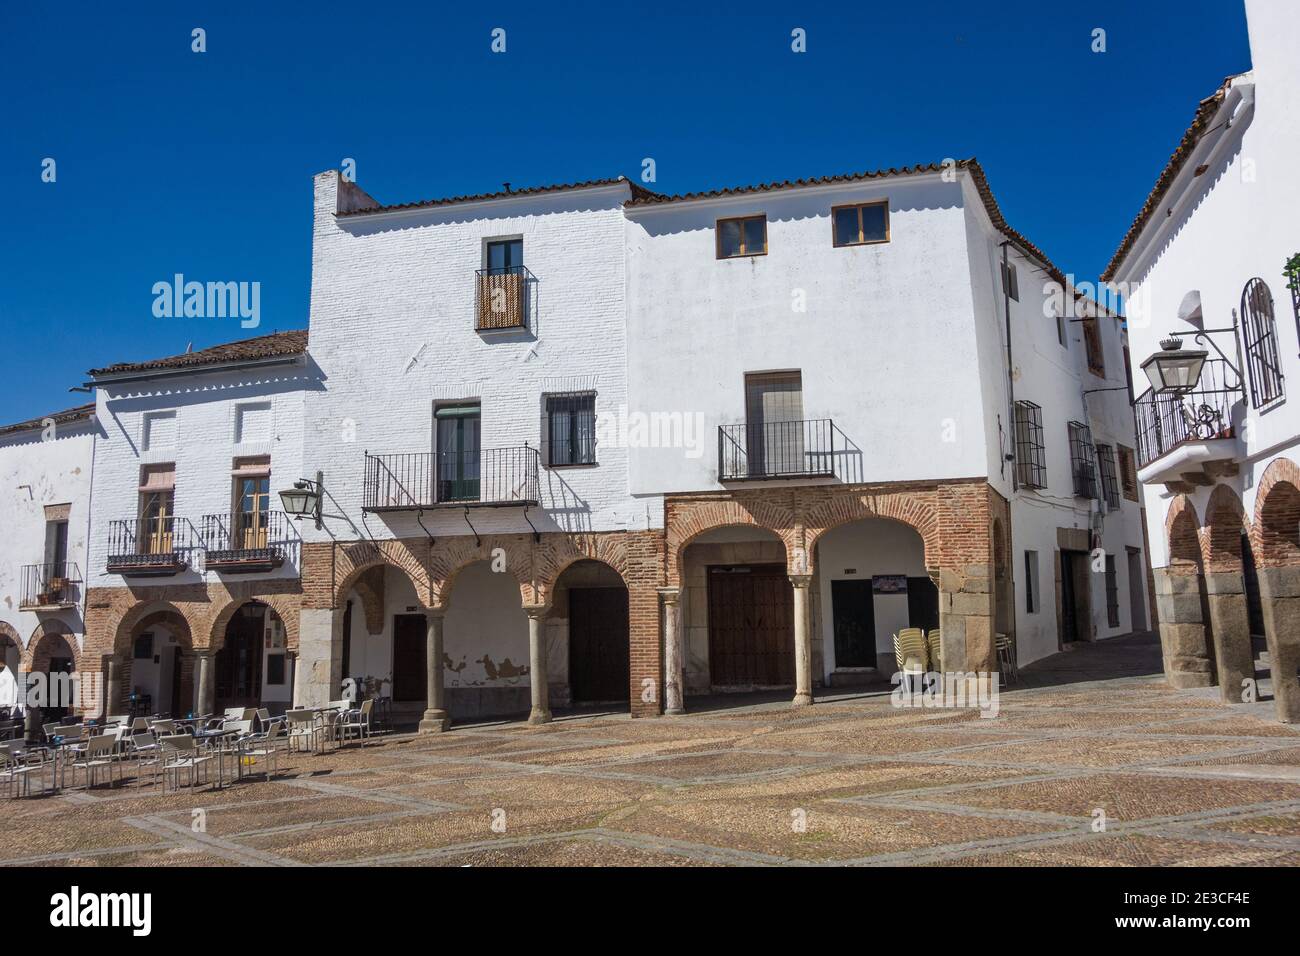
[
  {"x": 1277, "y": 519},
  {"x": 737, "y": 609},
  {"x": 485, "y": 648},
  {"x": 1184, "y": 616},
  {"x": 588, "y": 626},
  {"x": 11, "y": 683},
  {"x": 872, "y": 582},
  {"x": 159, "y": 676},
  {"x": 249, "y": 669},
  {"x": 54, "y": 659}
]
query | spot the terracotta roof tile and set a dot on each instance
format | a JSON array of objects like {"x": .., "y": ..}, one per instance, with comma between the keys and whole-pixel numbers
[
  {"x": 65, "y": 417},
  {"x": 1204, "y": 112},
  {"x": 263, "y": 346},
  {"x": 480, "y": 197}
]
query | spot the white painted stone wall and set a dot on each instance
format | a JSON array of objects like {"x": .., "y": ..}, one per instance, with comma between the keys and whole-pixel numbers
[
  {"x": 38, "y": 468},
  {"x": 1234, "y": 222},
  {"x": 392, "y": 327}
]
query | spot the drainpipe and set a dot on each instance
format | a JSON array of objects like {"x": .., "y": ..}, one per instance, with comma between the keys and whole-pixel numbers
[{"x": 1011, "y": 373}]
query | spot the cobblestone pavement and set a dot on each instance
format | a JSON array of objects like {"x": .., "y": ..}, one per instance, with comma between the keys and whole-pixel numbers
[{"x": 1180, "y": 778}]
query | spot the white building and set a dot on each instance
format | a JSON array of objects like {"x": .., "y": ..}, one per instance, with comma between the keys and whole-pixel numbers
[
  {"x": 193, "y": 572},
  {"x": 1211, "y": 260},
  {"x": 45, "y": 471},
  {"x": 587, "y": 443}
]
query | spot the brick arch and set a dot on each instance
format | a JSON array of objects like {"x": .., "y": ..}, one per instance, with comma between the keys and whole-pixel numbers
[
  {"x": 1183, "y": 531},
  {"x": 1225, "y": 520},
  {"x": 553, "y": 562},
  {"x": 689, "y": 519},
  {"x": 353, "y": 560},
  {"x": 285, "y": 608},
  {"x": 9, "y": 634},
  {"x": 1275, "y": 531},
  {"x": 907, "y": 509},
  {"x": 448, "y": 560},
  {"x": 127, "y": 622},
  {"x": 48, "y": 640},
  {"x": 369, "y": 589}
]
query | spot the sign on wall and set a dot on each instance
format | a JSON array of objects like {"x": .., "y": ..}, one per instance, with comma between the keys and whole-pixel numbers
[{"x": 889, "y": 584}]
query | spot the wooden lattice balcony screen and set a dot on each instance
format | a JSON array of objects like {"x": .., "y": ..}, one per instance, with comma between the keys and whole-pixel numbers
[{"x": 502, "y": 296}]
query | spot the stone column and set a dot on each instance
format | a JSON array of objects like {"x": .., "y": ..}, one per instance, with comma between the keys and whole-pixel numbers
[
  {"x": 802, "y": 641},
  {"x": 291, "y": 675},
  {"x": 1230, "y": 626},
  {"x": 319, "y": 669},
  {"x": 539, "y": 685},
  {"x": 1183, "y": 638},
  {"x": 206, "y": 702},
  {"x": 113, "y": 686},
  {"x": 435, "y": 719},
  {"x": 1279, "y": 592},
  {"x": 674, "y": 683}
]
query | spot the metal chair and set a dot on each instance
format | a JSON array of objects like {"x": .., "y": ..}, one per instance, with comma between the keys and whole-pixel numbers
[
  {"x": 146, "y": 752},
  {"x": 99, "y": 754},
  {"x": 181, "y": 754},
  {"x": 18, "y": 764},
  {"x": 304, "y": 727},
  {"x": 261, "y": 748},
  {"x": 1007, "y": 659},
  {"x": 356, "y": 721}
]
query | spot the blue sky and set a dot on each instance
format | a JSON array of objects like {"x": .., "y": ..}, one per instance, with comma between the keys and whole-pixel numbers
[{"x": 172, "y": 161}]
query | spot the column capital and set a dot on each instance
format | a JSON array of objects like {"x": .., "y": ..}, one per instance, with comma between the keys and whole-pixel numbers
[
  {"x": 801, "y": 580},
  {"x": 670, "y": 595},
  {"x": 537, "y": 611},
  {"x": 436, "y": 612},
  {"x": 203, "y": 652}
]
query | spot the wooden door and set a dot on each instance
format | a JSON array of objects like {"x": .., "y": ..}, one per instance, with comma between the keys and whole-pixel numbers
[
  {"x": 410, "y": 670},
  {"x": 599, "y": 668},
  {"x": 238, "y": 664},
  {"x": 751, "y": 626},
  {"x": 922, "y": 604},
  {"x": 854, "y": 612}
]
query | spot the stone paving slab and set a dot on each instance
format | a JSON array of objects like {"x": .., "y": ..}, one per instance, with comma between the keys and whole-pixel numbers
[{"x": 743, "y": 781}]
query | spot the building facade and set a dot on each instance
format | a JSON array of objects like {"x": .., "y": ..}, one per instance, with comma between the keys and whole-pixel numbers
[
  {"x": 46, "y": 467},
  {"x": 1210, "y": 266},
  {"x": 193, "y": 587}
]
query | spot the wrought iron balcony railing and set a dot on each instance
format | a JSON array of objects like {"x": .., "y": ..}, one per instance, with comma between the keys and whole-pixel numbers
[
  {"x": 50, "y": 585},
  {"x": 147, "y": 547},
  {"x": 501, "y": 298},
  {"x": 248, "y": 541},
  {"x": 796, "y": 449},
  {"x": 1166, "y": 421},
  {"x": 488, "y": 476}
]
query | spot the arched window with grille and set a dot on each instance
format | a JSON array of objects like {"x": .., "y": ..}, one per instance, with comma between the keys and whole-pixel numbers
[{"x": 1259, "y": 330}]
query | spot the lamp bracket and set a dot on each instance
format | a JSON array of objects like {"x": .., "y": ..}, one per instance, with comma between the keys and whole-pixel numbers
[
  {"x": 537, "y": 535},
  {"x": 1202, "y": 336},
  {"x": 478, "y": 542}
]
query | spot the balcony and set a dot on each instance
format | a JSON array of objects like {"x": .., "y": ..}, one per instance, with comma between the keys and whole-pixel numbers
[
  {"x": 150, "y": 547},
  {"x": 248, "y": 542},
  {"x": 1189, "y": 440},
  {"x": 50, "y": 587},
  {"x": 765, "y": 450},
  {"x": 489, "y": 477},
  {"x": 501, "y": 298}
]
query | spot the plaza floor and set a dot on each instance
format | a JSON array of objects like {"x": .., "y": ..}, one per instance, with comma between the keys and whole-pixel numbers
[{"x": 1088, "y": 738}]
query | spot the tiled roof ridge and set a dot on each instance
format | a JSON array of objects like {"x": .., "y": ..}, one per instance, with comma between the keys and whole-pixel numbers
[{"x": 274, "y": 344}]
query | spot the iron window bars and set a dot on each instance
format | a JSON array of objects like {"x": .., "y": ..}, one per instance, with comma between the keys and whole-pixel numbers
[
  {"x": 1031, "y": 454},
  {"x": 1083, "y": 460},
  {"x": 1109, "y": 486},
  {"x": 1259, "y": 329},
  {"x": 569, "y": 429}
]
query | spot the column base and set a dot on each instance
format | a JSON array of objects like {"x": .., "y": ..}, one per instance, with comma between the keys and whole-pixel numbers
[
  {"x": 674, "y": 711},
  {"x": 802, "y": 700},
  {"x": 537, "y": 716},
  {"x": 434, "y": 722}
]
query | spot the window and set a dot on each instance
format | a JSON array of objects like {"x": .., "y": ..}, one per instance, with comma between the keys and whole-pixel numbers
[
  {"x": 1092, "y": 342},
  {"x": 143, "y": 647},
  {"x": 56, "y": 546},
  {"x": 1031, "y": 457},
  {"x": 1128, "y": 479},
  {"x": 1083, "y": 461},
  {"x": 157, "y": 493},
  {"x": 275, "y": 669},
  {"x": 742, "y": 237},
  {"x": 1060, "y": 330},
  {"x": 1112, "y": 592},
  {"x": 1109, "y": 487},
  {"x": 860, "y": 225},
  {"x": 1031, "y": 582},
  {"x": 1010, "y": 284},
  {"x": 252, "y": 502},
  {"x": 774, "y": 434},
  {"x": 1260, "y": 332},
  {"x": 569, "y": 435},
  {"x": 504, "y": 256}
]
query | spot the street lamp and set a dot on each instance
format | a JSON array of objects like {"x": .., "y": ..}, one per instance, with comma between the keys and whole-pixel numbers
[
  {"x": 1174, "y": 370},
  {"x": 304, "y": 498}
]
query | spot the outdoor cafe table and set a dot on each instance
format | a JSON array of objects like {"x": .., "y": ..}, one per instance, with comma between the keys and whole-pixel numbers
[{"x": 218, "y": 741}]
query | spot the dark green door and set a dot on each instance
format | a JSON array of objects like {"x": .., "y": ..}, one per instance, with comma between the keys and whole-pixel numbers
[
  {"x": 458, "y": 452},
  {"x": 855, "y": 623}
]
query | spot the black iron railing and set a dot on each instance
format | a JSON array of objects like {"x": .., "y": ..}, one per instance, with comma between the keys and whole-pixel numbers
[
  {"x": 151, "y": 545},
  {"x": 487, "y": 476},
  {"x": 501, "y": 297},
  {"x": 253, "y": 539},
  {"x": 796, "y": 449},
  {"x": 55, "y": 584},
  {"x": 1166, "y": 421}
]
